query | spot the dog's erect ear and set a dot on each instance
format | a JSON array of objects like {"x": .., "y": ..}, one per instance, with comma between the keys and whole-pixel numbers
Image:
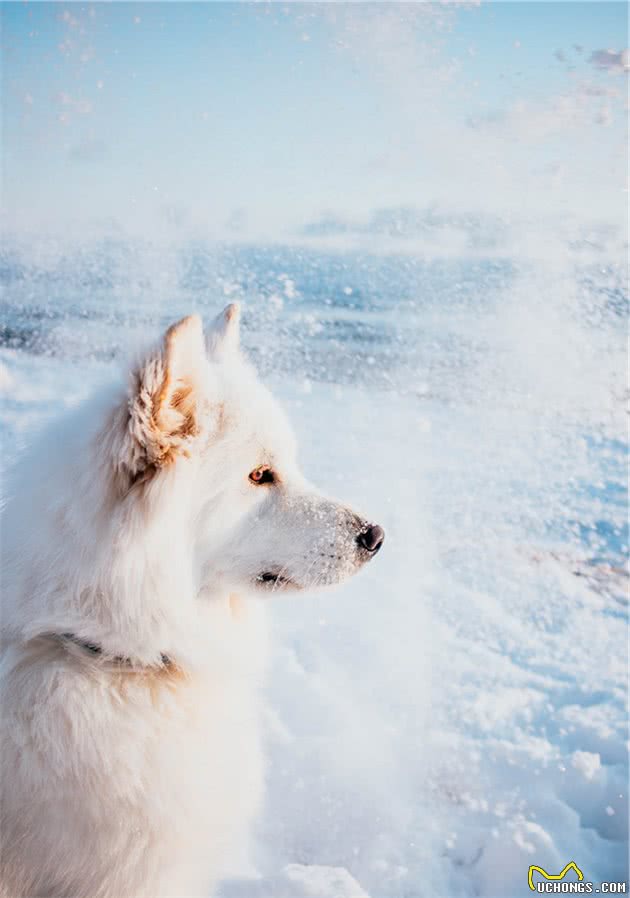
[
  {"x": 223, "y": 335},
  {"x": 165, "y": 398}
]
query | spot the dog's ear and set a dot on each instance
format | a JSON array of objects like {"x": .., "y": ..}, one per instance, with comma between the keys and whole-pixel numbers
[
  {"x": 164, "y": 401},
  {"x": 223, "y": 334}
]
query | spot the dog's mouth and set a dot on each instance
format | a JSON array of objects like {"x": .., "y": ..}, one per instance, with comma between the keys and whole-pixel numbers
[{"x": 275, "y": 580}]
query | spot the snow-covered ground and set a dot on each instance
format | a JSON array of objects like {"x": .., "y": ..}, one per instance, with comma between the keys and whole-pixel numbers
[{"x": 459, "y": 710}]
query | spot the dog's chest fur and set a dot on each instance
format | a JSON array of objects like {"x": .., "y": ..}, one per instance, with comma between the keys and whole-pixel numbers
[{"x": 134, "y": 783}]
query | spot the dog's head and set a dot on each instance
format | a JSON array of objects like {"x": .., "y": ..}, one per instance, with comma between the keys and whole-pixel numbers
[{"x": 203, "y": 435}]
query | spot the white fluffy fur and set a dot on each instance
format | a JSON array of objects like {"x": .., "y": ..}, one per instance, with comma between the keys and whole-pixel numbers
[{"x": 133, "y": 524}]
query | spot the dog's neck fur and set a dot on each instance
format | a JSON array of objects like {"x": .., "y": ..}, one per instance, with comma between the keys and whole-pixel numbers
[{"x": 119, "y": 663}]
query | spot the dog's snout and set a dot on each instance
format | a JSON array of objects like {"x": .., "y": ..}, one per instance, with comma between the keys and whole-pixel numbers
[{"x": 371, "y": 538}]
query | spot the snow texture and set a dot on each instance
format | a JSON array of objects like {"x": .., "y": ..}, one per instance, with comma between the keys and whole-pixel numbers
[{"x": 459, "y": 710}]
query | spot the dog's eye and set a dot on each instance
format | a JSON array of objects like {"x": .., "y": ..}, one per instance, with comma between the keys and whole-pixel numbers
[{"x": 263, "y": 474}]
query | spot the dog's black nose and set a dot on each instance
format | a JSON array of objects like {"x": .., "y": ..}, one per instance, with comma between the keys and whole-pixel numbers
[{"x": 372, "y": 538}]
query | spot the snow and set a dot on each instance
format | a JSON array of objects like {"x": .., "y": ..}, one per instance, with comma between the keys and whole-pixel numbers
[
  {"x": 298, "y": 881},
  {"x": 458, "y": 711},
  {"x": 587, "y": 763}
]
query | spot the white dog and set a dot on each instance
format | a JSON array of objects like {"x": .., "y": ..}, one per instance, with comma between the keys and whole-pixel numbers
[{"x": 139, "y": 539}]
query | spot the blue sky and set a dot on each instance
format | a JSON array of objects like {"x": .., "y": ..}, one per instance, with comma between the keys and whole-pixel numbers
[{"x": 258, "y": 118}]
